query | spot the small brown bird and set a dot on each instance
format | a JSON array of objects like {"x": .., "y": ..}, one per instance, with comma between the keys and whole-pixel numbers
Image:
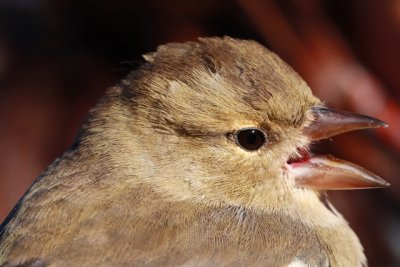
[{"x": 195, "y": 159}]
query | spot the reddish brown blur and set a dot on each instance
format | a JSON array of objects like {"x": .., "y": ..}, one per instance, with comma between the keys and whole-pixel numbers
[{"x": 57, "y": 57}]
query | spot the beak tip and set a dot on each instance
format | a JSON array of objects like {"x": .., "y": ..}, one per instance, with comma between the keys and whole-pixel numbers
[
  {"x": 380, "y": 183},
  {"x": 384, "y": 125},
  {"x": 378, "y": 123}
]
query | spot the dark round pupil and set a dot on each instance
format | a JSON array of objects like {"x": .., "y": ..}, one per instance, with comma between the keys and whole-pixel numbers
[{"x": 250, "y": 139}]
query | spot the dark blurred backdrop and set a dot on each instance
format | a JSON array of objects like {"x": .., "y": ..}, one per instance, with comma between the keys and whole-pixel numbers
[{"x": 58, "y": 56}]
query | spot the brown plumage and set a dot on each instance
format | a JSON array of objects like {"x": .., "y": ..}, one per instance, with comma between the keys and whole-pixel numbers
[{"x": 156, "y": 176}]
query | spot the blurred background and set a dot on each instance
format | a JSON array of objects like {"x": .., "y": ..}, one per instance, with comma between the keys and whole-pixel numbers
[{"x": 57, "y": 57}]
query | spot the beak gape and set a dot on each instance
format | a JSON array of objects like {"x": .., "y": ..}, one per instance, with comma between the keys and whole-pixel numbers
[{"x": 327, "y": 172}]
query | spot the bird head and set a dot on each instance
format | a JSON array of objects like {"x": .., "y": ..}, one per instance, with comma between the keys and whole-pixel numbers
[{"x": 227, "y": 121}]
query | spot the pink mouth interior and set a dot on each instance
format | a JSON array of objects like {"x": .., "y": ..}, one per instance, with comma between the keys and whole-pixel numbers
[{"x": 301, "y": 156}]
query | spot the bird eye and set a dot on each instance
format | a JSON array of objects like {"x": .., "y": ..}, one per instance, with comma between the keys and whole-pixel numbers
[{"x": 250, "y": 139}]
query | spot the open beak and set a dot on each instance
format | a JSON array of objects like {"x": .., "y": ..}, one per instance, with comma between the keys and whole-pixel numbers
[{"x": 327, "y": 172}]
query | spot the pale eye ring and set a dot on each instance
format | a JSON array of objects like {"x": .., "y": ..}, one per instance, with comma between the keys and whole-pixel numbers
[{"x": 250, "y": 138}]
